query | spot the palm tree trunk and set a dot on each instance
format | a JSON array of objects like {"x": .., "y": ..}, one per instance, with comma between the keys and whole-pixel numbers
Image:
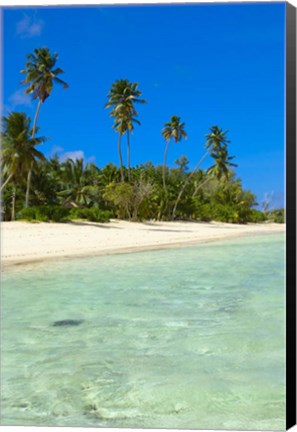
[
  {"x": 128, "y": 153},
  {"x": 6, "y": 181},
  {"x": 185, "y": 184},
  {"x": 120, "y": 156},
  {"x": 164, "y": 165},
  {"x": 31, "y": 168},
  {"x": 199, "y": 186},
  {"x": 13, "y": 202},
  {"x": 35, "y": 119},
  {"x": 28, "y": 185}
]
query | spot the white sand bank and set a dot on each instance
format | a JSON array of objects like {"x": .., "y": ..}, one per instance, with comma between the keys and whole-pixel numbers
[{"x": 23, "y": 242}]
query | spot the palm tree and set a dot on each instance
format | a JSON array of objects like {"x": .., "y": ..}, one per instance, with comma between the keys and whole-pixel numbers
[
  {"x": 78, "y": 182},
  {"x": 172, "y": 130},
  {"x": 216, "y": 145},
  {"x": 18, "y": 149},
  {"x": 222, "y": 164},
  {"x": 41, "y": 77},
  {"x": 216, "y": 139},
  {"x": 188, "y": 178},
  {"x": 120, "y": 126},
  {"x": 122, "y": 97}
]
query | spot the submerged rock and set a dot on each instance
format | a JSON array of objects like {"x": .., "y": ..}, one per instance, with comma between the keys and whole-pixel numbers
[{"x": 67, "y": 323}]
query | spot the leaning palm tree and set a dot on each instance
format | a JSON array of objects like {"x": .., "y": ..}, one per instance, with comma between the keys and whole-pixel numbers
[
  {"x": 18, "y": 149},
  {"x": 172, "y": 130},
  {"x": 218, "y": 150},
  {"x": 187, "y": 180},
  {"x": 215, "y": 141},
  {"x": 41, "y": 75},
  {"x": 122, "y": 97},
  {"x": 221, "y": 168}
]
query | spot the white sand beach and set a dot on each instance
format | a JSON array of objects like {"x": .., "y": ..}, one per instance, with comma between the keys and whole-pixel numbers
[{"x": 23, "y": 242}]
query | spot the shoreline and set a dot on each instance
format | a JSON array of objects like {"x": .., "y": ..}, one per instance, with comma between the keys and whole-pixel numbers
[{"x": 24, "y": 243}]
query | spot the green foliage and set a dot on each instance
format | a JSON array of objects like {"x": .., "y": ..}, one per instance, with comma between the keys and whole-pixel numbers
[
  {"x": 41, "y": 73},
  {"x": 96, "y": 194},
  {"x": 92, "y": 214},
  {"x": 18, "y": 152},
  {"x": 63, "y": 214},
  {"x": 122, "y": 97},
  {"x": 277, "y": 216},
  {"x": 204, "y": 213},
  {"x": 120, "y": 195},
  {"x": 225, "y": 213},
  {"x": 257, "y": 216},
  {"x": 44, "y": 214},
  {"x": 139, "y": 193},
  {"x": 79, "y": 182}
]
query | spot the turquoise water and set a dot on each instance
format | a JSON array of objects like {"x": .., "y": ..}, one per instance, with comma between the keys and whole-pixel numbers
[{"x": 179, "y": 338}]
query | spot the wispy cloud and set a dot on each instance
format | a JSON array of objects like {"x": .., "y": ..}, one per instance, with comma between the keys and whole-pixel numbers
[
  {"x": 29, "y": 27},
  {"x": 18, "y": 98},
  {"x": 74, "y": 155}
]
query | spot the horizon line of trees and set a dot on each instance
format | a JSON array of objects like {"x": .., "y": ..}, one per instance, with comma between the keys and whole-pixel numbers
[{"x": 142, "y": 192}]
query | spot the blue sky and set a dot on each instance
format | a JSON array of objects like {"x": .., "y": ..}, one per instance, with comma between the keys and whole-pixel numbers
[{"x": 210, "y": 64}]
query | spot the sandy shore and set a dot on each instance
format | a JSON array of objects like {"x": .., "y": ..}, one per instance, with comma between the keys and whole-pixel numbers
[{"x": 24, "y": 242}]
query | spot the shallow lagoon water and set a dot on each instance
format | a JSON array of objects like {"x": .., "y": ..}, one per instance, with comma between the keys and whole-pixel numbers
[{"x": 179, "y": 338}]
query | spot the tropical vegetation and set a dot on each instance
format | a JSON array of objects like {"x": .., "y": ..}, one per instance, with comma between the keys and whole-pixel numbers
[
  {"x": 37, "y": 188},
  {"x": 41, "y": 75}
]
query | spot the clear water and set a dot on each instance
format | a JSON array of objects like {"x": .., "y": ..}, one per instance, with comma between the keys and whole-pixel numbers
[{"x": 179, "y": 338}]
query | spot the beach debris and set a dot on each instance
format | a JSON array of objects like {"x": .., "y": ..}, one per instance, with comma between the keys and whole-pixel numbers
[{"x": 67, "y": 323}]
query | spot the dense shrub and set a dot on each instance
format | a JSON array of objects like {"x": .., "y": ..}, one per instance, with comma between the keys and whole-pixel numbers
[
  {"x": 277, "y": 216},
  {"x": 203, "y": 213},
  {"x": 224, "y": 213},
  {"x": 93, "y": 214},
  {"x": 257, "y": 216},
  {"x": 44, "y": 214}
]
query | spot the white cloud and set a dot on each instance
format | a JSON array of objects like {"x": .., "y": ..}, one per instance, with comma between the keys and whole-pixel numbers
[
  {"x": 74, "y": 155},
  {"x": 29, "y": 27},
  {"x": 18, "y": 98}
]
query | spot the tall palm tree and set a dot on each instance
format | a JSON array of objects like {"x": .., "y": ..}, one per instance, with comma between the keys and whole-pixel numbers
[
  {"x": 172, "y": 130},
  {"x": 122, "y": 97},
  {"x": 18, "y": 149},
  {"x": 41, "y": 75}
]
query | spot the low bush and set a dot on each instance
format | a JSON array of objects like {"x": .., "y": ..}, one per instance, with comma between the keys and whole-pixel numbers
[
  {"x": 93, "y": 214},
  {"x": 277, "y": 216},
  {"x": 224, "y": 213},
  {"x": 44, "y": 214},
  {"x": 256, "y": 216}
]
